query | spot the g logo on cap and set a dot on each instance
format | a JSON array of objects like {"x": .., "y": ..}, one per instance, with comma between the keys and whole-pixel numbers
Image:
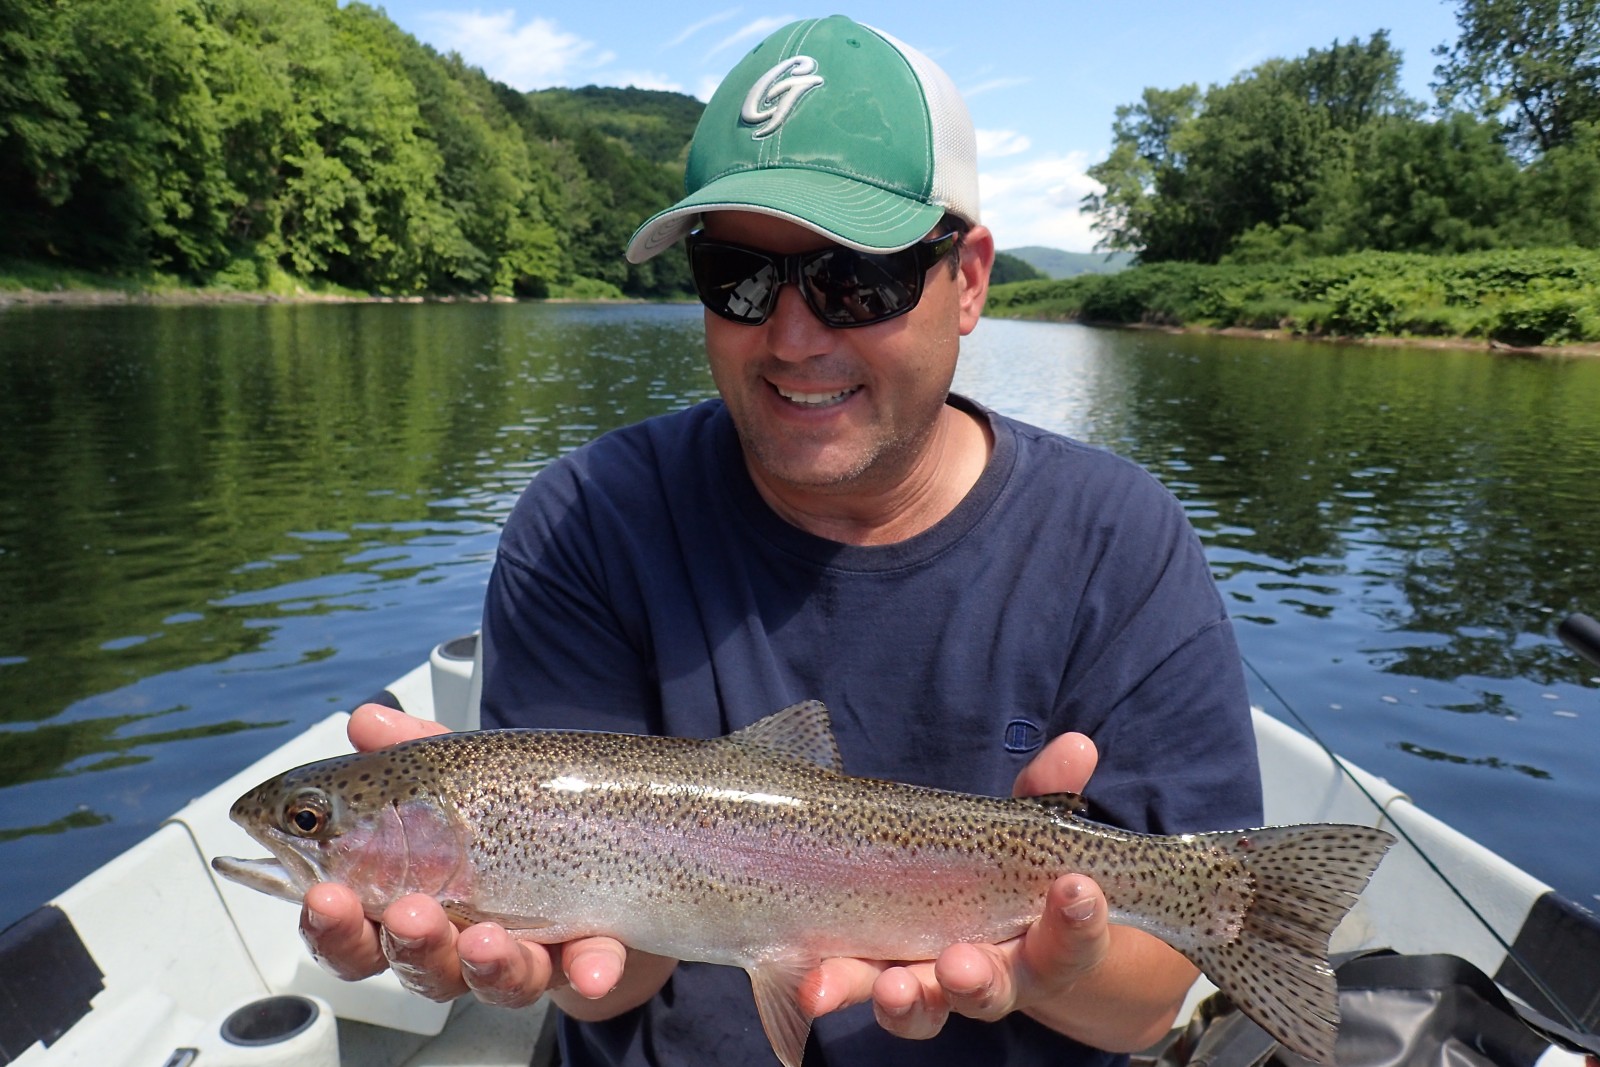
[{"x": 774, "y": 95}]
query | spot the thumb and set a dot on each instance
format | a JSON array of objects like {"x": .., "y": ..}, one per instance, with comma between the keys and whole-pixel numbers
[
  {"x": 1071, "y": 937},
  {"x": 1062, "y": 766},
  {"x": 375, "y": 726}
]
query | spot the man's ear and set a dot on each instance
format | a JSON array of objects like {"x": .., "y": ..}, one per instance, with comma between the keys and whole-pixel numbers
[{"x": 977, "y": 259}]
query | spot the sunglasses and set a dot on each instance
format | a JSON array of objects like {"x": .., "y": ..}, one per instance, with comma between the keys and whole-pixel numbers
[{"x": 843, "y": 287}]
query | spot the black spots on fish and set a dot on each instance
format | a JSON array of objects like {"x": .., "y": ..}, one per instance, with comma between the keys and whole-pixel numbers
[{"x": 1305, "y": 879}]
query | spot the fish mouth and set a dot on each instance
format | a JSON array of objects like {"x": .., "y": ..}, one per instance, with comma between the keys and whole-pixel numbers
[
  {"x": 287, "y": 874},
  {"x": 267, "y": 875}
]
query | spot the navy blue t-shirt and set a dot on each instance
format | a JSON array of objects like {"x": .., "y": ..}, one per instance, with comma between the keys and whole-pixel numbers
[{"x": 643, "y": 585}]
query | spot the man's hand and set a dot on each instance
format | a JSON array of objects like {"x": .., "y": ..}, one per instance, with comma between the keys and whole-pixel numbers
[
  {"x": 596, "y": 977},
  {"x": 1111, "y": 987}
]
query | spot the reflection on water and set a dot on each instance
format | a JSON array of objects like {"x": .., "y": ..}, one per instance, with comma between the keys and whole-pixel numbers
[
  {"x": 1397, "y": 533},
  {"x": 220, "y": 524}
]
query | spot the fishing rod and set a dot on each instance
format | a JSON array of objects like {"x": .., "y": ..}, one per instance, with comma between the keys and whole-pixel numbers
[{"x": 1581, "y": 634}]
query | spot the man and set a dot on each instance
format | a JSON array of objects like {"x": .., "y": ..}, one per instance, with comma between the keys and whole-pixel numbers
[{"x": 955, "y": 586}]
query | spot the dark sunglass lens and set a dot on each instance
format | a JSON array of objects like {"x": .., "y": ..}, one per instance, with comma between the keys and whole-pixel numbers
[
  {"x": 850, "y": 288},
  {"x": 733, "y": 282}
]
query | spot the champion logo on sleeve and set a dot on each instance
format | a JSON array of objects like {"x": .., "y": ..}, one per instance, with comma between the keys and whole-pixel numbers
[{"x": 774, "y": 95}]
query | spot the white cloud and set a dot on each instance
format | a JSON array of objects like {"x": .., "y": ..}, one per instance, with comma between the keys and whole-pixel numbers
[
  {"x": 993, "y": 144},
  {"x": 751, "y": 31},
  {"x": 534, "y": 55},
  {"x": 992, "y": 84},
  {"x": 689, "y": 31},
  {"x": 1036, "y": 203}
]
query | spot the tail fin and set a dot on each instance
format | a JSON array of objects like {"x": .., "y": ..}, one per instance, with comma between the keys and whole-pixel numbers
[{"x": 1276, "y": 970}]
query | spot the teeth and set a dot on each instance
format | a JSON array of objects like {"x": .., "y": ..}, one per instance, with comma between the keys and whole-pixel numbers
[{"x": 816, "y": 399}]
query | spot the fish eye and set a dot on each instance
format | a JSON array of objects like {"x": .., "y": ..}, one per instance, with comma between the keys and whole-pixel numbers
[{"x": 307, "y": 812}]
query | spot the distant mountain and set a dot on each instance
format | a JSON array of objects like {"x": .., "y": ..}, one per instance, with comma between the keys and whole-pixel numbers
[{"x": 1058, "y": 264}]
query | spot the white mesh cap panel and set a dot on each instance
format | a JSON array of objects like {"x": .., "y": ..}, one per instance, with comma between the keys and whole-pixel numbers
[{"x": 955, "y": 145}]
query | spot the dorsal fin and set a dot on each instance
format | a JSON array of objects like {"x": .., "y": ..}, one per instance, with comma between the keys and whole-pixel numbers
[
  {"x": 800, "y": 731},
  {"x": 1059, "y": 803}
]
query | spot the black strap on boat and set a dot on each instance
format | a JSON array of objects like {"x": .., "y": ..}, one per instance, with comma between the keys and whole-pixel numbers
[
  {"x": 47, "y": 979},
  {"x": 1568, "y": 1018},
  {"x": 1398, "y": 1011}
]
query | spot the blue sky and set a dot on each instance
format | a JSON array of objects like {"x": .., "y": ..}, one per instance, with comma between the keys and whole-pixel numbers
[{"x": 1042, "y": 79}]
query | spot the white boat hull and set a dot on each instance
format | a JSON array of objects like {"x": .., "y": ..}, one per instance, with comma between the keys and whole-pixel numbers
[{"x": 166, "y": 951}]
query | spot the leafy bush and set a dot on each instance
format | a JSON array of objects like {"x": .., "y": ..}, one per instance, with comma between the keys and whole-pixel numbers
[
  {"x": 1523, "y": 297},
  {"x": 1547, "y": 316}
]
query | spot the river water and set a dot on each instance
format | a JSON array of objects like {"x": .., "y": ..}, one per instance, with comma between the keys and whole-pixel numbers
[{"x": 219, "y": 524}]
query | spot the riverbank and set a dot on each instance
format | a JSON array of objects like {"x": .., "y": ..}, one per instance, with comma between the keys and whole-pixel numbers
[
  {"x": 199, "y": 297},
  {"x": 1475, "y": 344},
  {"x": 1526, "y": 300},
  {"x": 190, "y": 297},
  {"x": 1538, "y": 302},
  {"x": 29, "y": 283}
]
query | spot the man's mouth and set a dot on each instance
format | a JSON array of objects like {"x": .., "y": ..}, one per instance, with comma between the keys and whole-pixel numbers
[{"x": 817, "y": 400}]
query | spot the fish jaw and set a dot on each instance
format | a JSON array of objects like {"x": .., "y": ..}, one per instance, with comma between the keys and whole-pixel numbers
[{"x": 269, "y": 876}]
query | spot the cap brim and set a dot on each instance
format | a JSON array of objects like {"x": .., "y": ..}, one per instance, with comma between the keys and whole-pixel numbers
[{"x": 850, "y": 212}]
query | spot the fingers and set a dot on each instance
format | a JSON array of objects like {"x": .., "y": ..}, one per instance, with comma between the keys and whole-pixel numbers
[
  {"x": 374, "y": 726},
  {"x": 1062, "y": 766},
  {"x": 908, "y": 1002},
  {"x": 338, "y": 934},
  {"x": 979, "y": 981},
  {"x": 428, "y": 956},
  {"x": 983, "y": 982},
  {"x": 501, "y": 970},
  {"x": 420, "y": 943},
  {"x": 840, "y": 982},
  {"x": 593, "y": 965}
]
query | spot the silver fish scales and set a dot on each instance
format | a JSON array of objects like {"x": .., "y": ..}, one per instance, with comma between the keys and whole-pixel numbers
[{"x": 754, "y": 850}]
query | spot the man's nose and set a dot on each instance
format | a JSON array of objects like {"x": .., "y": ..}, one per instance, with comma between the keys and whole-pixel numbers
[{"x": 793, "y": 330}]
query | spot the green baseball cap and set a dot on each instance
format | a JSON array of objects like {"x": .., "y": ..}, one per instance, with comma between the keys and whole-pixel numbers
[{"x": 837, "y": 127}]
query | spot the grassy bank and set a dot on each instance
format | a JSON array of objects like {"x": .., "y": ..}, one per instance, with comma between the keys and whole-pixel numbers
[
  {"x": 33, "y": 282},
  {"x": 27, "y": 282},
  {"x": 1520, "y": 297}
]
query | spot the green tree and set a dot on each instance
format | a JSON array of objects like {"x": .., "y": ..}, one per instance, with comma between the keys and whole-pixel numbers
[
  {"x": 1561, "y": 192},
  {"x": 1352, "y": 84},
  {"x": 42, "y": 131},
  {"x": 1414, "y": 185},
  {"x": 235, "y": 139},
  {"x": 1251, "y": 157},
  {"x": 1534, "y": 64},
  {"x": 1189, "y": 174},
  {"x": 117, "y": 131},
  {"x": 1130, "y": 212}
]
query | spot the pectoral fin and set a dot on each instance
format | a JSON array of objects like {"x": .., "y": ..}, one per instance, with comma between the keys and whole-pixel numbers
[
  {"x": 777, "y": 988},
  {"x": 464, "y": 915}
]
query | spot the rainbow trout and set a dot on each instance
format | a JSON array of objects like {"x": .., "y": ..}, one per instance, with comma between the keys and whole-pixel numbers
[{"x": 756, "y": 851}]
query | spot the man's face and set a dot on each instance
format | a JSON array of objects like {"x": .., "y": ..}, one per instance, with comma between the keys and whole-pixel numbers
[{"x": 839, "y": 411}]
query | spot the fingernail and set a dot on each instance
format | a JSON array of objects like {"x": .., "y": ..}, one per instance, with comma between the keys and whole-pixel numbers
[
  {"x": 481, "y": 973},
  {"x": 315, "y": 922},
  {"x": 897, "y": 1011},
  {"x": 393, "y": 941},
  {"x": 1081, "y": 908}
]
